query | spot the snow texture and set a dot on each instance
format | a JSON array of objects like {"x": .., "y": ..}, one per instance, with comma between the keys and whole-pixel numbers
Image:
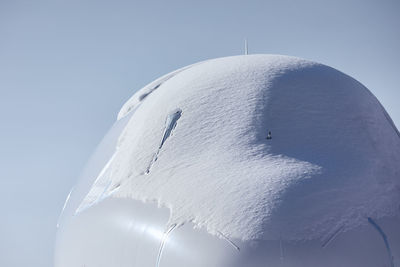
[{"x": 332, "y": 162}]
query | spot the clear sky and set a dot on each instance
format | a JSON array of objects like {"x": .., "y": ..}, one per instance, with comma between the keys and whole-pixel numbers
[{"x": 67, "y": 66}]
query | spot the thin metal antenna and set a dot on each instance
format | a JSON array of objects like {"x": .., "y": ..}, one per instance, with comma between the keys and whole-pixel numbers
[{"x": 246, "y": 48}]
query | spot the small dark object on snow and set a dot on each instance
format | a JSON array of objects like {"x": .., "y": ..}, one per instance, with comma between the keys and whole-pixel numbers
[{"x": 269, "y": 136}]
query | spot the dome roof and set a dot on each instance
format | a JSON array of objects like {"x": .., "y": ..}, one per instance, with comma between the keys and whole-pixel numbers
[{"x": 257, "y": 147}]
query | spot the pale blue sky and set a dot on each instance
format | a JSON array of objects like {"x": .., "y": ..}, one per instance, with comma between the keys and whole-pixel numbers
[{"x": 66, "y": 67}]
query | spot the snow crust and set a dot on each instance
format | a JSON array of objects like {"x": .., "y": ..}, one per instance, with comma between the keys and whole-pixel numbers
[{"x": 332, "y": 162}]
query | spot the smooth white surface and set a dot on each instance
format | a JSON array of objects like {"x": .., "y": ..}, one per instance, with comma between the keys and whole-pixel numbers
[
  {"x": 332, "y": 161},
  {"x": 129, "y": 233}
]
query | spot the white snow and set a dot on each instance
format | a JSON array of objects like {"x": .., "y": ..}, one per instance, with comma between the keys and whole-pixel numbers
[{"x": 332, "y": 162}]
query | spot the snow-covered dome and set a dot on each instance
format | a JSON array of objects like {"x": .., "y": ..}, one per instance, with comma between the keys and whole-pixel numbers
[{"x": 257, "y": 147}]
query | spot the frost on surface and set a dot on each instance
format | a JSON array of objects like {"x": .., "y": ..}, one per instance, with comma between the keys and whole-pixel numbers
[{"x": 332, "y": 161}]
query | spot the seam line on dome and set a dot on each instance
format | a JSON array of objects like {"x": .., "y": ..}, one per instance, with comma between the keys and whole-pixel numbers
[
  {"x": 229, "y": 241},
  {"x": 163, "y": 241},
  {"x": 281, "y": 249},
  {"x": 332, "y": 237},
  {"x": 384, "y": 237}
]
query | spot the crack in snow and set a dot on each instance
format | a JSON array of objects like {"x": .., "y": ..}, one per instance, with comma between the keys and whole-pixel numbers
[{"x": 170, "y": 125}]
